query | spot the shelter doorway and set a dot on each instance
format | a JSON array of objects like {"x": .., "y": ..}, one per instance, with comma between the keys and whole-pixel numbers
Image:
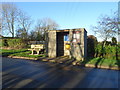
[{"x": 62, "y": 39}]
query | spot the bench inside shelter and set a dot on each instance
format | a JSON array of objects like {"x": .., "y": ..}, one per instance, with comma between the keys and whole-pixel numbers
[{"x": 37, "y": 48}]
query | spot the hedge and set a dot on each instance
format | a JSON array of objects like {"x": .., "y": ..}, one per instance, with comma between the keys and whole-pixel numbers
[
  {"x": 108, "y": 52},
  {"x": 13, "y": 43}
]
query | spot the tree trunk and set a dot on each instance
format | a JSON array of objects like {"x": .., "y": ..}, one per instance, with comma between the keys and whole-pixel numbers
[{"x": 104, "y": 43}]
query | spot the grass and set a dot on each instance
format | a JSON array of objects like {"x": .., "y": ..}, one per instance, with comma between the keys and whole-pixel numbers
[
  {"x": 21, "y": 53},
  {"x": 102, "y": 62}
]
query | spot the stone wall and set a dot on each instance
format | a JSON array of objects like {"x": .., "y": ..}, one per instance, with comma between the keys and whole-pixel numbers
[
  {"x": 52, "y": 44},
  {"x": 85, "y": 44},
  {"x": 79, "y": 50}
]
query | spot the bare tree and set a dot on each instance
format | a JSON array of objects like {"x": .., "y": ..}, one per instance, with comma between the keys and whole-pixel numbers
[
  {"x": 39, "y": 29},
  {"x": 32, "y": 35},
  {"x": 21, "y": 33},
  {"x": 119, "y": 21},
  {"x": 43, "y": 25},
  {"x": 24, "y": 24},
  {"x": 0, "y": 18},
  {"x": 107, "y": 27},
  {"x": 9, "y": 17}
]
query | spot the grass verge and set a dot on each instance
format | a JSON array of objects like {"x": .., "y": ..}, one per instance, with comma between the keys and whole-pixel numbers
[
  {"x": 21, "y": 53},
  {"x": 102, "y": 62}
]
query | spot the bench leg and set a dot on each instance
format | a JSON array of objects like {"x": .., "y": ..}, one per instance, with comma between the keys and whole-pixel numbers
[
  {"x": 37, "y": 52},
  {"x": 32, "y": 52}
]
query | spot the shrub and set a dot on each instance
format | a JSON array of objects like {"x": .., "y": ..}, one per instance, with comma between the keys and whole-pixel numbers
[
  {"x": 114, "y": 41},
  {"x": 118, "y": 51},
  {"x": 91, "y": 44},
  {"x": 4, "y": 43},
  {"x": 99, "y": 50},
  {"x": 16, "y": 43},
  {"x": 108, "y": 52}
]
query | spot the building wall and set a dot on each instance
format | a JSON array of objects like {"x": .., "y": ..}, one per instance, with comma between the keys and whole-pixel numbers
[
  {"x": 85, "y": 44},
  {"x": 52, "y": 44},
  {"x": 79, "y": 50}
]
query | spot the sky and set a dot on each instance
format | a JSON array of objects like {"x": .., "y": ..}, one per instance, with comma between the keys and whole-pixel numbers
[{"x": 69, "y": 14}]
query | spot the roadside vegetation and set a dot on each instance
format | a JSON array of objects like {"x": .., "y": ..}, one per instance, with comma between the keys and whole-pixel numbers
[
  {"x": 103, "y": 55},
  {"x": 21, "y": 53},
  {"x": 16, "y": 47},
  {"x": 102, "y": 62}
]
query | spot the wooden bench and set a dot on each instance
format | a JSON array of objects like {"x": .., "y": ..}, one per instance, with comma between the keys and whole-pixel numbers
[{"x": 37, "y": 48}]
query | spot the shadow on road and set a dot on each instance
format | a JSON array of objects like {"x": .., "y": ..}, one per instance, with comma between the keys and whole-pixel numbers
[{"x": 18, "y": 73}]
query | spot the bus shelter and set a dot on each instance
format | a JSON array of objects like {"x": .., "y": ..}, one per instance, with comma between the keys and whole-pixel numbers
[{"x": 68, "y": 42}]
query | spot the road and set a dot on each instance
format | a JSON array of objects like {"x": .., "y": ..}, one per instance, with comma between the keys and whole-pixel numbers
[{"x": 19, "y": 73}]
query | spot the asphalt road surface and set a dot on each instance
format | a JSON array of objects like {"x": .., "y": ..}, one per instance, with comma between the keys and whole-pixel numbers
[{"x": 19, "y": 73}]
